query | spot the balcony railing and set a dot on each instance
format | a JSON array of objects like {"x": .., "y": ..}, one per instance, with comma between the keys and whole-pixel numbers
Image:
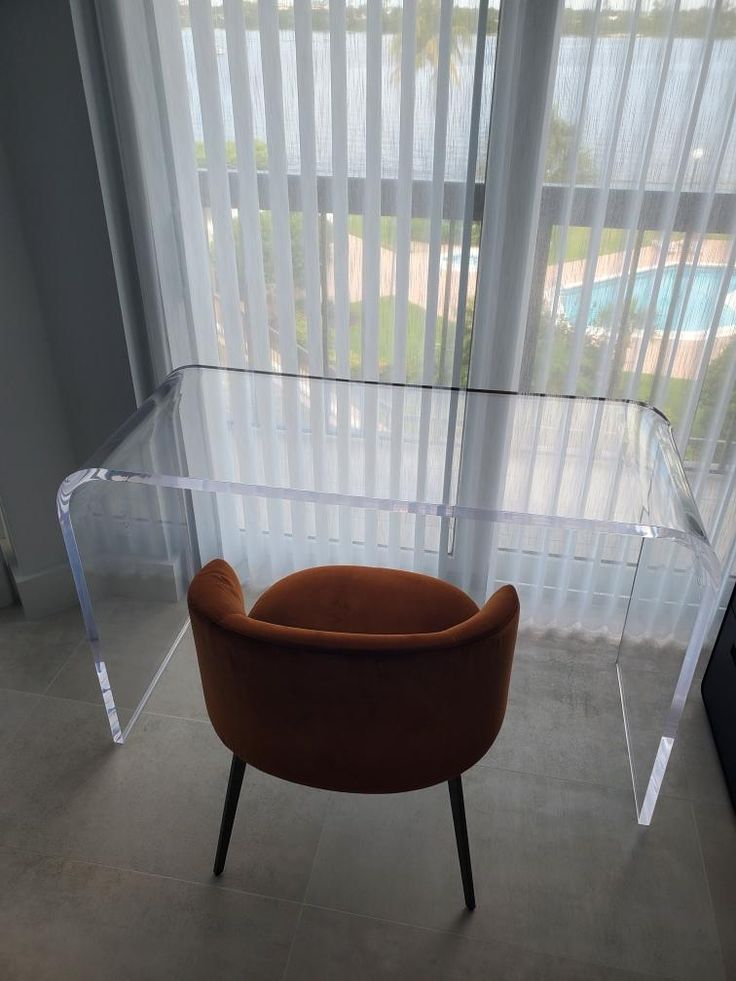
[{"x": 583, "y": 206}]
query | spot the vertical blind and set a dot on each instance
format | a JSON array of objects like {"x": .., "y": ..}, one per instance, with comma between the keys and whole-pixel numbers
[
  {"x": 635, "y": 251},
  {"x": 444, "y": 192}
]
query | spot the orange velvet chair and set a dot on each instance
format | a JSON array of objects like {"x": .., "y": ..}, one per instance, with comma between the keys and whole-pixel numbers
[{"x": 355, "y": 679}]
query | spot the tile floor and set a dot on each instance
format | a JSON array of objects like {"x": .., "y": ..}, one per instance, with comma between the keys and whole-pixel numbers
[{"x": 106, "y": 851}]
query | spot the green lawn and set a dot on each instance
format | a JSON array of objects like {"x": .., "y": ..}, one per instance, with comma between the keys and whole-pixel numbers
[
  {"x": 578, "y": 238},
  {"x": 576, "y": 246},
  {"x": 674, "y": 402},
  {"x": 414, "y": 341},
  {"x": 388, "y": 229},
  {"x": 420, "y": 229}
]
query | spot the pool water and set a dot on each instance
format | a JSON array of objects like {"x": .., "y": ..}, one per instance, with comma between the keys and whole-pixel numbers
[
  {"x": 701, "y": 302},
  {"x": 457, "y": 258}
]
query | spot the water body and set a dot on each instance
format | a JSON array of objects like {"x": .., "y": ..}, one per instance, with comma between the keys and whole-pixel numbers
[
  {"x": 605, "y": 86},
  {"x": 704, "y": 282}
]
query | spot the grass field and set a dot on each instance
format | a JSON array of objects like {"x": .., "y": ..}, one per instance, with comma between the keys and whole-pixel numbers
[
  {"x": 576, "y": 245},
  {"x": 674, "y": 402},
  {"x": 578, "y": 239},
  {"x": 414, "y": 341},
  {"x": 675, "y": 397},
  {"x": 420, "y": 230}
]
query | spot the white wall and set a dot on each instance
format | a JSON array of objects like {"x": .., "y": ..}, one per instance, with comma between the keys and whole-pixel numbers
[
  {"x": 35, "y": 448},
  {"x": 65, "y": 381}
]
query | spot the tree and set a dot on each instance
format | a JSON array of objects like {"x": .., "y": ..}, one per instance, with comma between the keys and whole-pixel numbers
[
  {"x": 296, "y": 234},
  {"x": 428, "y": 42},
  {"x": 231, "y": 156},
  {"x": 634, "y": 320},
  {"x": 563, "y": 341},
  {"x": 559, "y": 154},
  {"x": 716, "y": 380}
]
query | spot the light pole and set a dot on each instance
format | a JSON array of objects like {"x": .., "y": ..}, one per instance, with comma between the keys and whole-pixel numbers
[{"x": 697, "y": 156}]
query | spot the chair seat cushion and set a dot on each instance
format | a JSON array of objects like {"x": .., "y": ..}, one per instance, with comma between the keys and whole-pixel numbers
[{"x": 361, "y": 599}]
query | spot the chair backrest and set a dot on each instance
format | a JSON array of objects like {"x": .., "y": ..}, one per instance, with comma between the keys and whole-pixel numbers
[{"x": 360, "y": 712}]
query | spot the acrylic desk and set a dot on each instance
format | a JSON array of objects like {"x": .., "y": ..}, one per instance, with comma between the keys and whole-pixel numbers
[{"x": 582, "y": 503}]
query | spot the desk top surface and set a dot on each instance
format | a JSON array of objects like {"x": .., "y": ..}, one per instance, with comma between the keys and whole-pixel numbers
[{"x": 574, "y": 462}]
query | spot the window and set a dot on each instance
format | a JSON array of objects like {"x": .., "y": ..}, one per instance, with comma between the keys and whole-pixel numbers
[{"x": 352, "y": 188}]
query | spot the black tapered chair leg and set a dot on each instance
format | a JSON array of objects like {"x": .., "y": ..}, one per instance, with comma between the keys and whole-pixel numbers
[
  {"x": 461, "y": 836},
  {"x": 234, "y": 783}
]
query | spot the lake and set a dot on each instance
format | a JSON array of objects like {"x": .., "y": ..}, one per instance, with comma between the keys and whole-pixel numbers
[{"x": 604, "y": 90}]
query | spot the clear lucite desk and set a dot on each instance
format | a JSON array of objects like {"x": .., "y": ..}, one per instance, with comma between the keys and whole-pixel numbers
[{"x": 583, "y": 504}]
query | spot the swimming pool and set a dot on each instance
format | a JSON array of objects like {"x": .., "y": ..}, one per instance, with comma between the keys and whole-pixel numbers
[
  {"x": 700, "y": 304},
  {"x": 457, "y": 259}
]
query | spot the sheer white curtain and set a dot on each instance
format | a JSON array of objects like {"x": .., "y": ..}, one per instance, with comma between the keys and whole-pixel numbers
[
  {"x": 629, "y": 290},
  {"x": 634, "y": 289},
  {"x": 415, "y": 192},
  {"x": 304, "y": 181}
]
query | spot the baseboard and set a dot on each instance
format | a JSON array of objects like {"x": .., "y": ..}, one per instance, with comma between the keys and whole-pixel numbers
[
  {"x": 135, "y": 577},
  {"x": 47, "y": 592}
]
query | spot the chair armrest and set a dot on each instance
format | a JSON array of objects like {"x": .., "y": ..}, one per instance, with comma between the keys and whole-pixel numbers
[
  {"x": 215, "y": 592},
  {"x": 498, "y": 611}
]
